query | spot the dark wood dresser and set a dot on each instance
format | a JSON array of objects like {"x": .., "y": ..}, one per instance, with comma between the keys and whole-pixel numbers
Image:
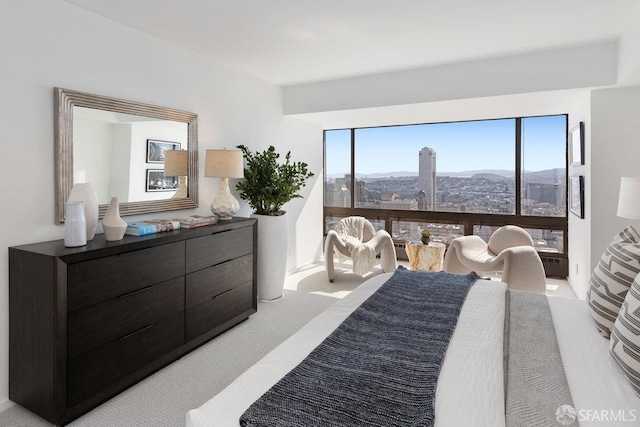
[{"x": 88, "y": 322}]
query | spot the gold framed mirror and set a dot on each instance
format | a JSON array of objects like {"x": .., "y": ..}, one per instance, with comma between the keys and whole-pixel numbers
[{"x": 89, "y": 156}]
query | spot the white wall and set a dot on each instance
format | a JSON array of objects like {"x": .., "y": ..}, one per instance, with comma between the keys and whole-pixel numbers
[
  {"x": 580, "y": 228},
  {"x": 629, "y": 60},
  {"x": 93, "y": 158},
  {"x": 612, "y": 150},
  {"x": 51, "y": 43},
  {"x": 560, "y": 69},
  {"x": 119, "y": 175},
  {"x": 615, "y": 151}
]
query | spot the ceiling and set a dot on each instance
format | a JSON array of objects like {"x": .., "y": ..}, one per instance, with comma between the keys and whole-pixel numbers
[{"x": 290, "y": 42}]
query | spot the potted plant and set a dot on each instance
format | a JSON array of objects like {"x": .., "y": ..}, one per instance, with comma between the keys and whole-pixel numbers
[
  {"x": 268, "y": 185},
  {"x": 426, "y": 237}
]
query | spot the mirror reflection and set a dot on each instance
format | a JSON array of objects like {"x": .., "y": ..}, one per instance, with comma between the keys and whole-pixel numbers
[
  {"x": 123, "y": 155},
  {"x": 145, "y": 155}
]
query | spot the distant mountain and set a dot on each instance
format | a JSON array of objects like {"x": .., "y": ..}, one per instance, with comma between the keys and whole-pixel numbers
[
  {"x": 375, "y": 175},
  {"x": 549, "y": 176},
  {"x": 491, "y": 174},
  {"x": 468, "y": 174},
  {"x": 386, "y": 175}
]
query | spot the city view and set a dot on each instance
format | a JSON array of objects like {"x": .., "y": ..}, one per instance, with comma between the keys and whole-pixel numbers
[
  {"x": 438, "y": 182},
  {"x": 543, "y": 194}
]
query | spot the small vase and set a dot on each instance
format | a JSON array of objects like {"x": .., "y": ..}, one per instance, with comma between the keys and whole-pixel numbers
[
  {"x": 84, "y": 192},
  {"x": 425, "y": 240},
  {"x": 75, "y": 225},
  {"x": 113, "y": 226}
]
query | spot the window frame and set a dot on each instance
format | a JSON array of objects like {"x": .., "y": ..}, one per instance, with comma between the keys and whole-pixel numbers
[{"x": 559, "y": 223}]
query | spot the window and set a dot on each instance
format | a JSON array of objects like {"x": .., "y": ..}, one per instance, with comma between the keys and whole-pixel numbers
[
  {"x": 452, "y": 178},
  {"x": 412, "y": 230},
  {"x": 446, "y": 167},
  {"x": 544, "y": 179},
  {"x": 337, "y": 168}
]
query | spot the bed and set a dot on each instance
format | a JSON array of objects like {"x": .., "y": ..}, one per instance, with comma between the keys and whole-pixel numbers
[{"x": 472, "y": 389}]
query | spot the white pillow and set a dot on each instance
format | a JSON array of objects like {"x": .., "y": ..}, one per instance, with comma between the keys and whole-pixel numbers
[
  {"x": 612, "y": 277},
  {"x": 625, "y": 336}
]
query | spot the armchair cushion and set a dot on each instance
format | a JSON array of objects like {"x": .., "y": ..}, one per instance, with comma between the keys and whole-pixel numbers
[
  {"x": 351, "y": 232},
  {"x": 514, "y": 254},
  {"x": 509, "y": 236},
  {"x": 355, "y": 237}
]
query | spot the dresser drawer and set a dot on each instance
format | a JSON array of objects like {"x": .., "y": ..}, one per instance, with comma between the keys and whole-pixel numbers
[
  {"x": 97, "y": 280},
  {"x": 93, "y": 371},
  {"x": 93, "y": 326},
  {"x": 212, "y": 281},
  {"x": 209, "y": 314},
  {"x": 216, "y": 248}
]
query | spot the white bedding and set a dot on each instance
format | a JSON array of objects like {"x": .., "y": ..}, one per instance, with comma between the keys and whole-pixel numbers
[
  {"x": 598, "y": 387},
  {"x": 470, "y": 389}
]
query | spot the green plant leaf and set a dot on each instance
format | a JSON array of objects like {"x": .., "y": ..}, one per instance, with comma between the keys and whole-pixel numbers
[{"x": 269, "y": 184}]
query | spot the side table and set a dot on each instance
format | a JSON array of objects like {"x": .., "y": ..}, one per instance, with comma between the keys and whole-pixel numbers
[{"x": 425, "y": 257}]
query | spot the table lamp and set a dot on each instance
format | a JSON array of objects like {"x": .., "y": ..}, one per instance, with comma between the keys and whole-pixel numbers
[
  {"x": 629, "y": 200},
  {"x": 224, "y": 164},
  {"x": 176, "y": 164}
]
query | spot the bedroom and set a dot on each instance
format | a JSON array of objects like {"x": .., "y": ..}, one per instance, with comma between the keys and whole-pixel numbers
[{"x": 57, "y": 43}]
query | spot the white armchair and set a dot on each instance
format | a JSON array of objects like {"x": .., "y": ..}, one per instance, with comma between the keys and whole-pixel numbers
[
  {"x": 510, "y": 250},
  {"x": 356, "y": 238}
]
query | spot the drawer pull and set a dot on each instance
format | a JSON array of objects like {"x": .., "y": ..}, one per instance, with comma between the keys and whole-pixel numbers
[
  {"x": 135, "y": 292},
  {"x": 136, "y": 332},
  {"x": 219, "y": 295}
]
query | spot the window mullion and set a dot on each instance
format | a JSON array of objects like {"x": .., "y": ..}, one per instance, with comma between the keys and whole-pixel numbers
[
  {"x": 518, "y": 183},
  {"x": 353, "y": 168}
]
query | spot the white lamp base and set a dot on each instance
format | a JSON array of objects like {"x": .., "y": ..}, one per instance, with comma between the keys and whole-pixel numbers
[
  {"x": 182, "y": 192},
  {"x": 225, "y": 205}
]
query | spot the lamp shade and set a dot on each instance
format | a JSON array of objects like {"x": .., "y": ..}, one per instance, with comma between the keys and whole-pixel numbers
[
  {"x": 629, "y": 201},
  {"x": 224, "y": 164},
  {"x": 175, "y": 163}
]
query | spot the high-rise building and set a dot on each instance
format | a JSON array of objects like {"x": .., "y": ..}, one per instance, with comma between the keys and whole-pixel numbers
[
  {"x": 421, "y": 198},
  {"x": 337, "y": 194},
  {"x": 427, "y": 176},
  {"x": 361, "y": 192}
]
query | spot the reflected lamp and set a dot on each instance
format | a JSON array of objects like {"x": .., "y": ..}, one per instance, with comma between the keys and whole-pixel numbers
[
  {"x": 176, "y": 164},
  {"x": 224, "y": 164}
]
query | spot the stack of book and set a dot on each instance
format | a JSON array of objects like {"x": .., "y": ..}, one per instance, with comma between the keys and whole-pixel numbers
[
  {"x": 194, "y": 221},
  {"x": 151, "y": 226}
]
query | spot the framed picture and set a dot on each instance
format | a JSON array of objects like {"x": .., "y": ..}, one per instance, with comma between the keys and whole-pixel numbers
[
  {"x": 576, "y": 195},
  {"x": 576, "y": 145},
  {"x": 156, "y": 149},
  {"x": 156, "y": 181}
]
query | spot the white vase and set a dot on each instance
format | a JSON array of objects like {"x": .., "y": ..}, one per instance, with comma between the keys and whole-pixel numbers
[
  {"x": 272, "y": 255},
  {"x": 113, "y": 226},
  {"x": 84, "y": 192},
  {"x": 75, "y": 225}
]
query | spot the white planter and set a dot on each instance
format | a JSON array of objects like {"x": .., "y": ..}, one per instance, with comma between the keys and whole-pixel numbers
[{"x": 272, "y": 255}]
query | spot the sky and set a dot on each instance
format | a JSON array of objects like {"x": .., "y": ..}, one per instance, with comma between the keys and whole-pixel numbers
[{"x": 459, "y": 146}]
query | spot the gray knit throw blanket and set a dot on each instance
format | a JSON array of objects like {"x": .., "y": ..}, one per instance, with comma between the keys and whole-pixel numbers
[{"x": 380, "y": 367}]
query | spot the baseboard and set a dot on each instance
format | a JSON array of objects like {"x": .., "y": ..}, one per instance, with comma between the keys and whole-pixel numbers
[{"x": 5, "y": 404}]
